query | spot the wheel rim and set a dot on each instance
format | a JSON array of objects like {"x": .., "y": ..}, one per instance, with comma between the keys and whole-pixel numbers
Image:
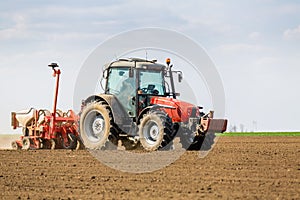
[
  {"x": 26, "y": 143},
  {"x": 94, "y": 126},
  {"x": 98, "y": 126},
  {"x": 151, "y": 132},
  {"x": 14, "y": 145}
]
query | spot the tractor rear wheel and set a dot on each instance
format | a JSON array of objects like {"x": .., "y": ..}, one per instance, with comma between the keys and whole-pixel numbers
[
  {"x": 95, "y": 125},
  {"x": 155, "y": 131}
]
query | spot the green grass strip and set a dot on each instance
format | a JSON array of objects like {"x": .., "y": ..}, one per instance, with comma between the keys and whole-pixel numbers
[{"x": 259, "y": 134}]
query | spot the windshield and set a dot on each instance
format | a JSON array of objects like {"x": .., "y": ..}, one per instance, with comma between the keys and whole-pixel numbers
[{"x": 151, "y": 82}]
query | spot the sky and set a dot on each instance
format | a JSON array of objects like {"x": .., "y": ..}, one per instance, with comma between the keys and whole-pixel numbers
[{"x": 255, "y": 46}]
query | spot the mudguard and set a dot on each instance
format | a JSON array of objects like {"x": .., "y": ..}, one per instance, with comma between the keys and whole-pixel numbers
[{"x": 120, "y": 116}]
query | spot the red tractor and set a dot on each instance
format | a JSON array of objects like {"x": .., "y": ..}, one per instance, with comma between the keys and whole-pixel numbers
[
  {"x": 43, "y": 129},
  {"x": 140, "y": 107}
]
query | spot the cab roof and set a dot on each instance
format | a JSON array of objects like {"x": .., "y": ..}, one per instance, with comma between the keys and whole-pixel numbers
[{"x": 137, "y": 63}]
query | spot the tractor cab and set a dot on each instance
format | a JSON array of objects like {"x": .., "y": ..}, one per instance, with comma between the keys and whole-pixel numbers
[{"x": 135, "y": 81}]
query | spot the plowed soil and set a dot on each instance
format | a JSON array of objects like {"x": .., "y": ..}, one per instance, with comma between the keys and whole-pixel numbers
[{"x": 236, "y": 168}]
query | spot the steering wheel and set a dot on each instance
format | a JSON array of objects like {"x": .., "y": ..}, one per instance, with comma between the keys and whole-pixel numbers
[{"x": 155, "y": 92}]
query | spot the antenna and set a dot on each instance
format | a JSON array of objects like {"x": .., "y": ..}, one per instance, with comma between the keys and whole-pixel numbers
[{"x": 146, "y": 54}]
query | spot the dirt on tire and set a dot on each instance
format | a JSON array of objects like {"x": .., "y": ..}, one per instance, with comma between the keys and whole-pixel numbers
[{"x": 236, "y": 168}]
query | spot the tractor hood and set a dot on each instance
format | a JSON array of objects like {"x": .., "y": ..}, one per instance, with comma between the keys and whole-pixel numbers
[{"x": 179, "y": 111}]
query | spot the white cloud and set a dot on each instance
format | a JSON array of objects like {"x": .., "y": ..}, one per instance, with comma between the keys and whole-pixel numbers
[
  {"x": 238, "y": 48},
  {"x": 75, "y": 36},
  {"x": 254, "y": 35},
  {"x": 206, "y": 23},
  {"x": 267, "y": 61},
  {"x": 17, "y": 30},
  {"x": 291, "y": 34},
  {"x": 287, "y": 9}
]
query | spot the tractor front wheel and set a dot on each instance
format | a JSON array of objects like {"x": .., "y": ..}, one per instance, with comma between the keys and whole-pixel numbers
[{"x": 155, "y": 131}]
